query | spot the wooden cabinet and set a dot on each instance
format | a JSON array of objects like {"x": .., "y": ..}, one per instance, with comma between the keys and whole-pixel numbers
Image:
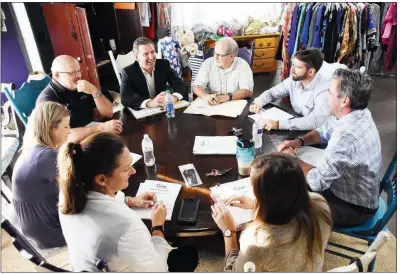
[{"x": 264, "y": 50}]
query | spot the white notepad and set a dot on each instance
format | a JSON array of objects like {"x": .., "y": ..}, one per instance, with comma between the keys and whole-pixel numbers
[
  {"x": 166, "y": 192},
  {"x": 139, "y": 114},
  {"x": 274, "y": 114},
  {"x": 240, "y": 187},
  {"x": 229, "y": 109},
  {"x": 215, "y": 145},
  {"x": 311, "y": 155}
]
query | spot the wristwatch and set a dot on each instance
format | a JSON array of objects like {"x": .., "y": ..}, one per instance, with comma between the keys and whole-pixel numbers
[
  {"x": 301, "y": 141},
  {"x": 157, "y": 227},
  {"x": 230, "y": 96},
  {"x": 227, "y": 233},
  {"x": 98, "y": 95}
]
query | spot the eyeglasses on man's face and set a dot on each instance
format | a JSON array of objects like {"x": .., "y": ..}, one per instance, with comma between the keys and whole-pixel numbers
[
  {"x": 72, "y": 73},
  {"x": 220, "y": 55}
]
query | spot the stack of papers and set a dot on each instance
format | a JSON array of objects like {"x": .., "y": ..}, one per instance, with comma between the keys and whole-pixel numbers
[
  {"x": 274, "y": 114},
  {"x": 230, "y": 109},
  {"x": 139, "y": 114},
  {"x": 311, "y": 155},
  {"x": 236, "y": 188},
  {"x": 166, "y": 192},
  {"x": 212, "y": 145}
]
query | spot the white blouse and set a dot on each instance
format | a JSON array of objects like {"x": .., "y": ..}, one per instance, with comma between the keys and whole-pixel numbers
[{"x": 108, "y": 229}]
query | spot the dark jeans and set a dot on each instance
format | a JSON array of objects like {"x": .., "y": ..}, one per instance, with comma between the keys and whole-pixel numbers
[
  {"x": 183, "y": 259},
  {"x": 345, "y": 214}
]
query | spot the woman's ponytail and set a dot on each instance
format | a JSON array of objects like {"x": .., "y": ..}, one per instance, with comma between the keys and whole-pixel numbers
[{"x": 73, "y": 190}]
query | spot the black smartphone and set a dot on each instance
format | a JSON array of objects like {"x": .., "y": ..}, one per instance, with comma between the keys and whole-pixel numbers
[
  {"x": 190, "y": 176},
  {"x": 188, "y": 212}
]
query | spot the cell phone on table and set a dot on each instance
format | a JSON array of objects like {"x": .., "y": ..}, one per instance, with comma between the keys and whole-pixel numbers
[{"x": 188, "y": 212}]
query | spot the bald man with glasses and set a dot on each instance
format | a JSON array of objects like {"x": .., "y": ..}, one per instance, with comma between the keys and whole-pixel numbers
[
  {"x": 225, "y": 77},
  {"x": 83, "y": 99}
]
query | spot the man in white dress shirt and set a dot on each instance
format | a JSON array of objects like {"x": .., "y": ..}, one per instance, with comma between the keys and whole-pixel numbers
[
  {"x": 308, "y": 91},
  {"x": 225, "y": 77}
]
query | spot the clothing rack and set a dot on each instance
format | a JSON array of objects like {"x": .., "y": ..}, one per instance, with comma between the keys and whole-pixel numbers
[{"x": 348, "y": 33}]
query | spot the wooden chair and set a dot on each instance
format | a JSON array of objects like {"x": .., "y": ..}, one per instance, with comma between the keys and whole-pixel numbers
[{"x": 122, "y": 61}]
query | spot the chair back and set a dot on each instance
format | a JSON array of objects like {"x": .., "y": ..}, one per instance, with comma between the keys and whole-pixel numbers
[
  {"x": 247, "y": 55},
  {"x": 389, "y": 185},
  {"x": 365, "y": 260},
  {"x": 122, "y": 61},
  {"x": 26, "y": 249},
  {"x": 23, "y": 100}
]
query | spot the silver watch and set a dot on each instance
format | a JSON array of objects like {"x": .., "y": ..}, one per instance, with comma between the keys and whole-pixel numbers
[
  {"x": 227, "y": 233},
  {"x": 98, "y": 95}
]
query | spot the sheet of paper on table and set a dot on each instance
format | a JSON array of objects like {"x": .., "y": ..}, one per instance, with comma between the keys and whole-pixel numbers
[
  {"x": 166, "y": 192},
  {"x": 274, "y": 113},
  {"x": 135, "y": 157},
  {"x": 311, "y": 155},
  {"x": 239, "y": 187},
  {"x": 93, "y": 123},
  {"x": 215, "y": 145},
  {"x": 139, "y": 114},
  {"x": 230, "y": 109}
]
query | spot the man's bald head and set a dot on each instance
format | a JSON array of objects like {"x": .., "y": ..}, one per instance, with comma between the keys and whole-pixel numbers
[
  {"x": 67, "y": 71},
  {"x": 64, "y": 63}
]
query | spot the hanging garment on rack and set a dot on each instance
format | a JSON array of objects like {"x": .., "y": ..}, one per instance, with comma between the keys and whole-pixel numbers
[
  {"x": 317, "y": 28},
  {"x": 150, "y": 31},
  {"x": 170, "y": 51},
  {"x": 195, "y": 62},
  {"x": 285, "y": 55},
  {"x": 162, "y": 13},
  {"x": 330, "y": 41},
  {"x": 312, "y": 25},
  {"x": 145, "y": 14},
  {"x": 390, "y": 28},
  {"x": 299, "y": 26},
  {"x": 306, "y": 27},
  {"x": 293, "y": 29}
]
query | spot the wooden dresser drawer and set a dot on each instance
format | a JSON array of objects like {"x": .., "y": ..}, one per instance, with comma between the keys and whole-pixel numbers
[
  {"x": 264, "y": 53},
  {"x": 263, "y": 64},
  {"x": 265, "y": 42}
]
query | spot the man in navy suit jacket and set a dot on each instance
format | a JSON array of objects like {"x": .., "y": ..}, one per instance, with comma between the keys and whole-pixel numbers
[{"x": 143, "y": 83}]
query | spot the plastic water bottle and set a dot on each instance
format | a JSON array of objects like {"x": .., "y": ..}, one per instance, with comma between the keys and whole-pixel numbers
[
  {"x": 249, "y": 267},
  {"x": 257, "y": 134},
  {"x": 169, "y": 103},
  {"x": 148, "y": 151}
]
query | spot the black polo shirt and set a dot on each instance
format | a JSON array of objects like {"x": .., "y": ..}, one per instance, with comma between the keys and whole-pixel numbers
[{"x": 80, "y": 104}]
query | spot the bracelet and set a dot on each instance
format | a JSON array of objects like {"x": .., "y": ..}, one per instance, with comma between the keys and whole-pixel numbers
[
  {"x": 126, "y": 200},
  {"x": 98, "y": 95},
  {"x": 301, "y": 141}
]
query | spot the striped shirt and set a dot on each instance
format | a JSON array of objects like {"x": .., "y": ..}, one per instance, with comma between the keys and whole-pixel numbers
[
  {"x": 352, "y": 159},
  {"x": 195, "y": 63},
  {"x": 217, "y": 80}
]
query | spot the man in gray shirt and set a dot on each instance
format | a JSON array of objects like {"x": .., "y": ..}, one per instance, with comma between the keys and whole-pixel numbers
[
  {"x": 349, "y": 175},
  {"x": 224, "y": 77},
  {"x": 308, "y": 92}
]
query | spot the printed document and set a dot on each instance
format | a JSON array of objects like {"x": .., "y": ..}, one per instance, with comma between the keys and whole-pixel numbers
[
  {"x": 166, "y": 192},
  {"x": 214, "y": 145},
  {"x": 139, "y": 114},
  {"x": 274, "y": 114},
  {"x": 230, "y": 109},
  {"x": 236, "y": 188},
  {"x": 311, "y": 155}
]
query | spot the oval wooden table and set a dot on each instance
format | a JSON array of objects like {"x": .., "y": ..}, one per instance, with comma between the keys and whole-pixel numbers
[{"x": 173, "y": 141}]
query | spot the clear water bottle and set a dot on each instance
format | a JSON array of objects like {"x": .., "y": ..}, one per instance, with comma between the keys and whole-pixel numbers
[
  {"x": 169, "y": 103},
  {"x": 257, "y": 134},
  {"x": 148, "y": 151}
]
